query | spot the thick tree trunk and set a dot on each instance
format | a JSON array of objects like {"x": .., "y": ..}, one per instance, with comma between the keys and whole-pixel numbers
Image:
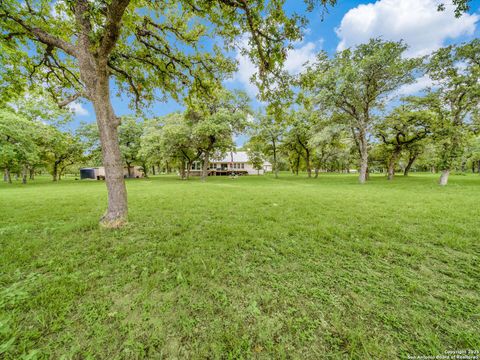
[
  {"x": 444, "y": 177},
  {"x": 363, "y": 151},
  {"x": 411, "y": 160},
  {"x": 8, "y": 176},
  {"x": 153, "y": 170},
  {"x": 117, "y": 210},
  {"x": 478, "y": 166},
  {"x": 392, "y": 163},
  {"x": 145, "y": 170},
  {"x": 129, "y": 172},
  {"x": 182, "y": 169},
  {"x": 32, "y": 173},
  {"x": 391, "y": 169},
  {"x": 55, "y": 172},
  {"x": 316, "y": 172},
  {"x": 206, "y": 161},
  {"x": 24, "y": 175}
]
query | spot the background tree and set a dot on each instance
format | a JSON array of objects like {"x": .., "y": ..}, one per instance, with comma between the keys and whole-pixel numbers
[
  {"x": 216, "y": 122},
  {"x": 18, "y": 149},
  {"x": 150, "y": 149},
  {"x": 299, "y": 132},
  {"x": 456, "y": 72},
  {"x": 255, "y": 155},
  {"x": 130, "y": 133},
  {"x": 332, "y": 146},
  {"x": 412, "y": 152},
  {"x": 358, "y": 83},
  {"x": 59, "y": 150},
  {"x": 402, "y": 128},
  {"x": 473, "y": 154},
  {"x": 88, "y": 134},
  {"x": 267, "y": 131},
  {"x": 174, "y": 142}
]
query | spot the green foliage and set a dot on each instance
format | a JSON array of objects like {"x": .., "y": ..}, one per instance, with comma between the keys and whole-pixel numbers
[
  {"x": 214, "y": 123},
  {"x": 153, "y": 49},
  {"x": 456, "y": 71},
  {"x": 129, "y": 133},
  {"x": 88, "y": 134},
  {"x": 170, "y": 138},
  {"x": 59, "y": 150},
  {"x": 357, "y": 84},
  {"x": 461, "y": 6},
  {"x": 17, "y": 146},
  {"x": 255, "y": 156}
]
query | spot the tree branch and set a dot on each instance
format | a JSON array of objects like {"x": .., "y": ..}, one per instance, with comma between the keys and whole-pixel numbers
[
  {"x": 113, "y": 25},
  {"x": 43, "y": 36},
  {"x": 70, "y": 99}
]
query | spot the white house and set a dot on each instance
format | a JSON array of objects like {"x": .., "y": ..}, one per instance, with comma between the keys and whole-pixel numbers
[{"x": 234, "y": 161}]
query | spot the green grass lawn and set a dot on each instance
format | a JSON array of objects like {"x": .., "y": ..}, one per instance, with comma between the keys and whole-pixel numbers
[{"x": 254, "y": 267}]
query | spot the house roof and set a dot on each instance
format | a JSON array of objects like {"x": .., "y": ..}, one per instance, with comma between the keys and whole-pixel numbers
[{"x": 238, "y": 157}]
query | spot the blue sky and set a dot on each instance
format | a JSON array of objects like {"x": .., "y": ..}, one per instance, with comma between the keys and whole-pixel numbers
[{"x": 350, "y": 22}]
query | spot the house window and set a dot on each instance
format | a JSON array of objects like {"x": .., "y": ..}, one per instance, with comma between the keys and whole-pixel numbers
[{"x": 243, "y": 166}]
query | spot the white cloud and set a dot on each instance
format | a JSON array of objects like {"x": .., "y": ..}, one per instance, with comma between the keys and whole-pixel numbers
[
  {"x": 78, "y": 109},
  {"x": 419, "y": 85},
  {"x": 417, "y": 22},
  {"x": 296, "y": 58}
]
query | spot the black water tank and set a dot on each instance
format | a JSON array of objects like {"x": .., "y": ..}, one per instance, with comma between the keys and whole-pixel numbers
[{"x": 87, "y": 173}]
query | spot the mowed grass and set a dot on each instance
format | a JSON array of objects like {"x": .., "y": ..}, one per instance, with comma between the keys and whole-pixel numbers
[{"x": 255, "y": 267}]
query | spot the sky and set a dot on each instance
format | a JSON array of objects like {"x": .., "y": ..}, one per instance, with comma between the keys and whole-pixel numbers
[{"x": 347, "y": 24}]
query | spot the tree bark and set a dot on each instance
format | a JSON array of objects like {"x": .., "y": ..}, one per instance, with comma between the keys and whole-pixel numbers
[
  {"x": 206, "y": 161},
  {"x": 182, "y": 169},
  {"x": 363, "y": 174},
  {"x": 129, "y": 173},
  {"x": 391, "y": 164},
  {"x": 32, "y": 173},
  {"x": 24, "y": 175},
  {"x": 8, "y": 176},
  {"x": 145, "y": 170},
  {"x": 55, "y": 172},
  {"x": 444, "y": 177},
  {"x": 411, "y": 160},
  {"x": 117, "y": 210},
  {"x": 316, "y": 172},
  {"x": 153, "y": 170}
]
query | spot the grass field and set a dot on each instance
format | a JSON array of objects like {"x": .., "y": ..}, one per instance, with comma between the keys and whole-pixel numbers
[{"x": 255, "y": 267}]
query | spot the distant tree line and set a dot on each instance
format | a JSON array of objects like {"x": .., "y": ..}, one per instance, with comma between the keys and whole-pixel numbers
[{"x": 344, "y": 118}]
